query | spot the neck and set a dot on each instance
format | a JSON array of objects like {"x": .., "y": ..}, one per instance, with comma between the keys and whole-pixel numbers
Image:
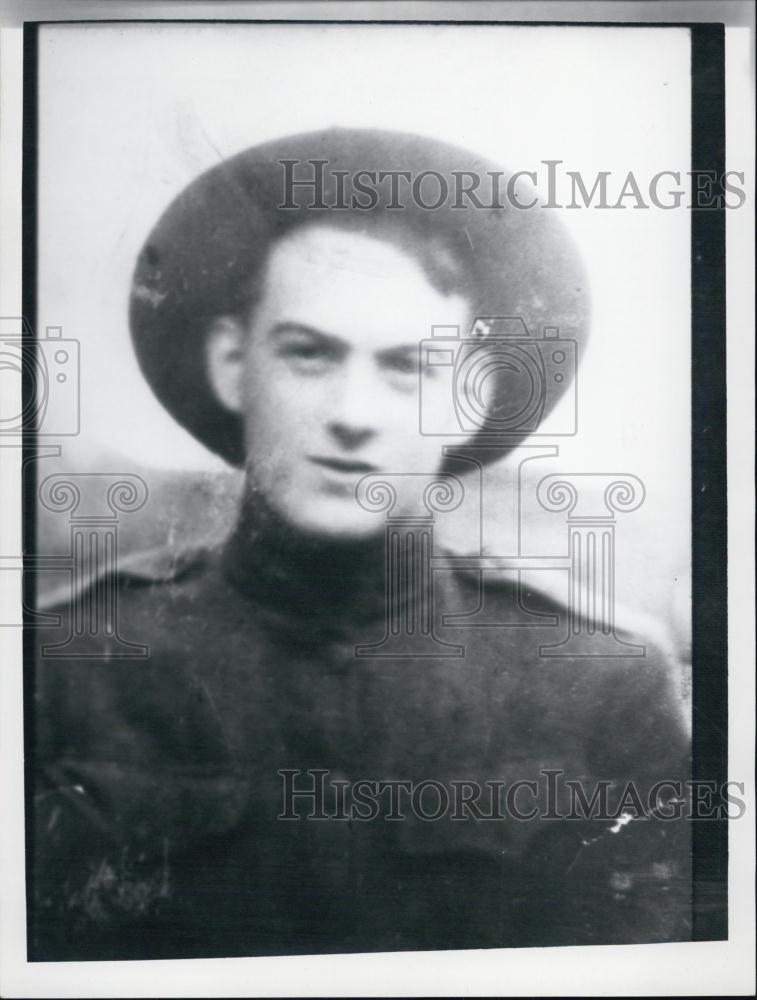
[{"x": 322, "y": 582}]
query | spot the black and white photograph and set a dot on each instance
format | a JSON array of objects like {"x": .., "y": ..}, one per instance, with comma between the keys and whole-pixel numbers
[{"x": 369, "y": 422}]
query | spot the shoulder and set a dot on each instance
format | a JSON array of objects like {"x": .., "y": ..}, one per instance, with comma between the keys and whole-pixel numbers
[
  {"x": 619, "y": 677},
  {"x": 116, "y": 648},
  {"x": 520, "y": 601},
  {"x": 149, "y": 569},
  {"x": 153, "y": 596}
]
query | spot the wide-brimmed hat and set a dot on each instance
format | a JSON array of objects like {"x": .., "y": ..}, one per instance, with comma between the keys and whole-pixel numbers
[{"x": 214, "y": 237}]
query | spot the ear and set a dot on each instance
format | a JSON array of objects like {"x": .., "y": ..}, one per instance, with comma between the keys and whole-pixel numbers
[{"x": 225, "y": 360}]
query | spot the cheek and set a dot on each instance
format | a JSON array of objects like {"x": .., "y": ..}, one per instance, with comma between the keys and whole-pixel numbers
[
  {"x": 265, "y": 418},
  {"x": 281, "y": 416},
  {"x": 409, "y": 450}
]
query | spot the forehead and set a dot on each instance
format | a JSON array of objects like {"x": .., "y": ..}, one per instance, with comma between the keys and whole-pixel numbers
[{"x": 357, "y": 287}]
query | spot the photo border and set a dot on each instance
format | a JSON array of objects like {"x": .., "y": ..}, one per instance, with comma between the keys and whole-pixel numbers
[
  {"x": 709, "y": 524},
  {"x": 709, "y": 427}
]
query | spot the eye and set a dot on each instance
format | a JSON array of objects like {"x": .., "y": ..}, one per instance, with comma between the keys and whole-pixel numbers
[
  {"x": 406, "y": 366},
  {"x": 306, "y": 355},
  {"x": 299, "y": 350},
  {"x": 401, "y": 363}
]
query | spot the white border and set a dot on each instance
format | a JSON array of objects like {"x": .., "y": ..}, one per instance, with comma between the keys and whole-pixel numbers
[{"x": 696, "y": 969}]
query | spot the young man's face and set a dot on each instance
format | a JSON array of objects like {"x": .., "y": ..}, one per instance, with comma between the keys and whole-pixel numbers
[{"x": 326, "y": 375}]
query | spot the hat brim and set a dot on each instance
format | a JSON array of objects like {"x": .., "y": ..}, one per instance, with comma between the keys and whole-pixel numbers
[{"x": 214, "y": 235}]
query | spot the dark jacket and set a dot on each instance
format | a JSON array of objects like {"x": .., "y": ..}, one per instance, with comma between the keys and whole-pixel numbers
[{"x": 158, "y": 785}]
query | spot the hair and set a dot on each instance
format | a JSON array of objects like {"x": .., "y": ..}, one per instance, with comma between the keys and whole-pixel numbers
[{"x": 444, "y": 264}]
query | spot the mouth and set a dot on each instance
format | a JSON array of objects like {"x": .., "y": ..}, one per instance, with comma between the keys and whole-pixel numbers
[{"x": 345, "y": 466}]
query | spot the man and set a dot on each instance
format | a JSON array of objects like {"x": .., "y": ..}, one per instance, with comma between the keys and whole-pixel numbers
[{"x": 178, "y": 811}]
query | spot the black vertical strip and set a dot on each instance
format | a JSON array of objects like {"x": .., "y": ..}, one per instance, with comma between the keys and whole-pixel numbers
[
  {"x": 30, "y": 147},
  {"x": 709, "y": 495}
]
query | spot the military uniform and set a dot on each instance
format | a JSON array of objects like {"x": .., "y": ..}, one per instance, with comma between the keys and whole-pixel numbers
[
  {"x": 158, "y": 787},
  {"x": 156, "y": 819}
]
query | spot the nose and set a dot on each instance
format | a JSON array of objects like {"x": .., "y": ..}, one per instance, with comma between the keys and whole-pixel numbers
[
  {"x": 350, "y": 437},
  {"x": 351, "y": 422}
]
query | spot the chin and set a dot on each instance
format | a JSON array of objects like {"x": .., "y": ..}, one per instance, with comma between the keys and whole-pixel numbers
[{"x": 333, "y": 521}]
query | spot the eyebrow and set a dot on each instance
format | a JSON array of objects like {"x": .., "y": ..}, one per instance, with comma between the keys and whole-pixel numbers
[
  {"x": 337, "y": 343},
  {"x": 284, "y": 327}
]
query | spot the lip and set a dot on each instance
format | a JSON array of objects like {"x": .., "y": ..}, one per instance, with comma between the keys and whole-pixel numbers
[{"x": 342, "y": 465}]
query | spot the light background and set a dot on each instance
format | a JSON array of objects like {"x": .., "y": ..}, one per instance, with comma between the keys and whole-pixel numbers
[{"x": 130, "y": 114}]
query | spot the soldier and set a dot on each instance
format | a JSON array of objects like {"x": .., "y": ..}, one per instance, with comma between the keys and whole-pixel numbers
[{"x": 285, "y": 339}]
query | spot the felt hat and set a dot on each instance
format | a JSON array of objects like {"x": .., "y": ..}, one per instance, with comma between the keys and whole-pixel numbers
[{"x": 208, "y": 245}]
